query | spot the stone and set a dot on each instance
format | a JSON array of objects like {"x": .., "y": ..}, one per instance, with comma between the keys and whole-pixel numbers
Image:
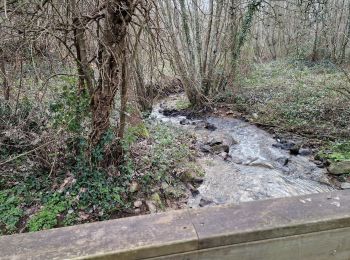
[
  {"x": 205, "y": 202},
  {"x": 196, "y": 122},
  {"x": 185, "y": 122},
  {"x": 339, "y": 168},
  {"x": 218, "y": 149},
  {"x": 205, "y": 125},
  {"x": 215, "y": 141},
  {"x": 261, "y": 163},
  {"x": 294, "y": 150},
  {"x": 138, "y": 204},
  {"x": 219, "y": 143},
  {"x": 345, "y": 186},
  {"x": 198, "y": 180},
  {"x": 205, "y": 148},
  {"x": 305, "y": 152},
  {"x": 151, "y": 207},
  {"x": 134, "y": 187},
  {"x": 283, "y": 161},
  {"x": 156, "y": 199},
  {"x": 224, "y": 155},
  {"x": 284, "y": 145},
  {"x": 170, "y": 112},
  {"x": 210, "y": 127},
  {"x": 221, "y": 138},
  {"x": 325, "y": 180},
  {"x": 200, "y": 124},
  {"x": 319, "y": 164},
  {"x": 192, "y": 189}
]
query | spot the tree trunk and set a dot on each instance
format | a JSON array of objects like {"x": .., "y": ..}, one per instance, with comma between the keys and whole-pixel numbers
[
  {"x": 314, "y": 56},
  {"x": 198, "y": 38},
  {"x": 247, "y": 22},
  {"x": 3, "y": 73},
  {"x": 84, "y": 70},
  {"x": 123, "y": 94},
  {"x": 186, "y": 29},
  {"x": 118, "y": 16},
  {"x": 208, "y": 37}
]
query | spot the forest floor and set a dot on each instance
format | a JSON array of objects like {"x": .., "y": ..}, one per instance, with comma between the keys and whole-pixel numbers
[
  {"x": 44, "y": 183},
  {"x": 158, "y": 167},
  {"x": 293, "y": 99},
  {"x": 46, "y": 180},
  {"x": 296, "y": 97}
]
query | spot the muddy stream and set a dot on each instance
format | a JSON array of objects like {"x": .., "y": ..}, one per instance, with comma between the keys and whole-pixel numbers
[{"x": 248, "y": 163}]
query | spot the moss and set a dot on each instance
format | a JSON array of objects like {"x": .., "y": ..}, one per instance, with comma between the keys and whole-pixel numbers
[{"x": 336, "y": 152}]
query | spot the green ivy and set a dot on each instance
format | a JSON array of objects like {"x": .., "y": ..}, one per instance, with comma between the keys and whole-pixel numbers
[
  {"x": 10, "y": 211},
  {"x": 47, "y": 217},
  {"x": 70, "y": 107}
]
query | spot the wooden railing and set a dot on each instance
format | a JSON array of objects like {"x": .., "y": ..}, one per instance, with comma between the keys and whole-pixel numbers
[{"x": 308, "y": 227}]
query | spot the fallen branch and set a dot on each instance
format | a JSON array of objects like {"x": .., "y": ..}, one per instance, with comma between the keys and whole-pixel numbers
[{"x": 24, "y": 154}]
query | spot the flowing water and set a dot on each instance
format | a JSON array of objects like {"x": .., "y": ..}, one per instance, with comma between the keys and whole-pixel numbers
[{"x": 256, "y": 170}]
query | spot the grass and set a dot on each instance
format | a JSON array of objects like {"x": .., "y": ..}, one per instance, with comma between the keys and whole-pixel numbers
[{"x": 297, "y": 96}]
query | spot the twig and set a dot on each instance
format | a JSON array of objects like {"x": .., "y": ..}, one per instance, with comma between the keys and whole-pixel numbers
[
  {"x": 5, "y": 8},
  {"x": 24, "y": 154}
]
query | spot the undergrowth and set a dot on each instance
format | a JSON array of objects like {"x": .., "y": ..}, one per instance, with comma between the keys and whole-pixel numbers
[
  {"x": 83, "y": 193},
  {"x": 336, "y": 152},
  {"x": 48, "y": 180},
  {"x": 296, "y": 96}
]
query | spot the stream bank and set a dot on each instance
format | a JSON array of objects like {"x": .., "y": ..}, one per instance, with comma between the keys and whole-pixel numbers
[{"x": 243, "y": 162}]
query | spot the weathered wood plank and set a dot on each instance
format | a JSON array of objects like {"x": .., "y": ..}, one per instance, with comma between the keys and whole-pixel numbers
[
  {"x": 326, "y": 245},
  {"x": 219, "y": 226},
  {"x": 129, "y": 238},
  {"x": 300, "y": 224}
]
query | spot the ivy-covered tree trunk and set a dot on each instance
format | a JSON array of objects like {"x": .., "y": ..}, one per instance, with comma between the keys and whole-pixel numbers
[
  {"x": 118, "y": 16},
  {"x": 247, "y": 23},
  {"x": 253, "y": 7}
]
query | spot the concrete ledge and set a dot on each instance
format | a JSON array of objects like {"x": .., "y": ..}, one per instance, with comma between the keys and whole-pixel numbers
[{"x": 263, "y": 227}]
